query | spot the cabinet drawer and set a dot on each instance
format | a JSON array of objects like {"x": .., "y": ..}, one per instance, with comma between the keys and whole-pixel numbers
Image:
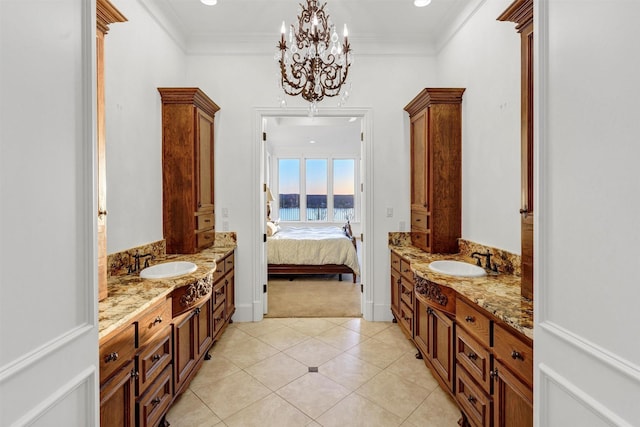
[
  {"x": 153, "y": 321},
  {"x": 420, "y": 239},
  {"x": 187, "y": 297},
  {"x": 474, "y": 321},
  {"x": 420, "y": 220},
  {"x": 405, "y": 269},
  {"x": 406, "y": 318},
  {"x": 219, "y": 317},
  {"x": 406, "y": 291},
  {"x": 395, "y": 261},
  {"x": 154, "y": 358},
  {"x": 155, "y": 402},
  {"x": 218, "y": 294},
  {"x": 219, "y": 270},
  {"x": 116, "y": 351},
  {"x": 475, "y": 403},
  {"x": 513, "y": 353},
  {"x": 204, "y": 239},
  {"x": 475, "y": 358},
  {"x": 229, "y": 263},
  {"x": 204, "y": 221}
]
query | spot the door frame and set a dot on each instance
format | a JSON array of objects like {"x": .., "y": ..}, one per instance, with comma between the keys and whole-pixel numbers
[{"x": 260, "y": 298}]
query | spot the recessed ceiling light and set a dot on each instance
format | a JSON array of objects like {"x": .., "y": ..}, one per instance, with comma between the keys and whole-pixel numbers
[
  {"x": 421, "y": 3},
  {"x": 209, "y": 2},
  {"x": 352, "y": 119},
  {"x": 312, "y": 142}
]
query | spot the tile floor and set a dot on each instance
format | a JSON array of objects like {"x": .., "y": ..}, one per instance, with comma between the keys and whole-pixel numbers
[{"x": 367, "y": 376}]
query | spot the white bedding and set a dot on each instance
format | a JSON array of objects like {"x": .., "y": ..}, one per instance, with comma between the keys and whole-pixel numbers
[{"x": 312, "y": 246}]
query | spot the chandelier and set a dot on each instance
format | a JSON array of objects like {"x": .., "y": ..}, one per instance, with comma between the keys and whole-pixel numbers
[{"x": 313, "y": 62}]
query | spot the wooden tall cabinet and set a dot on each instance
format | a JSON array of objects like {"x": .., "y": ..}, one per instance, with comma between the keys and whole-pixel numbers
[
  {"x": 187, "y": 169},
  {"x": 521, "y": 12},
  {"x": 436, "y": 169},
  {"x": 106, "y": 14}
]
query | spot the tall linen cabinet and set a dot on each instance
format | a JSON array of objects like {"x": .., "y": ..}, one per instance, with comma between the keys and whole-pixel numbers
[
  {"x": 187, "y": 169},
  {"x": 436, "y": 169}
]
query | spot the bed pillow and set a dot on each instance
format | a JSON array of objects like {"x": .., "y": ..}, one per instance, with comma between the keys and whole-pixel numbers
[{"x": 271, "y": 228}]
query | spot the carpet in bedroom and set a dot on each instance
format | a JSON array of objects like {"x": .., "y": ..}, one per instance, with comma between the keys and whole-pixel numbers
[{"x": 313, "y": 296}]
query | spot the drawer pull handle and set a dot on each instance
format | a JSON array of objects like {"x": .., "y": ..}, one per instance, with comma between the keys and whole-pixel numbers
[
  {"x": 111, "y": 357},
  {"x": 219, "y": 293},
  {"x": 207, "y": 220},
  {"x": 494, "y": 373},
  {"x": 157, "y": 320},
  {"x": 226, "y": 281},
  {"x": 155, "y": 357},
  {"x": 515, "y": 355},
  {"x": 471, "y": 399},
  {"x": 135, "y": 374},
  {"x": 155, "y": 401},
  {"x": 472, "y": 356},
  {"x": 470, "y": 319}
]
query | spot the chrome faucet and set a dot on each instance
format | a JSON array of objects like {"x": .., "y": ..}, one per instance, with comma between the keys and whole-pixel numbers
[{"x": 135, "y": 267}]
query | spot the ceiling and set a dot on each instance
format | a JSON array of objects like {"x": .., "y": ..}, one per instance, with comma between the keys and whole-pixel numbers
[
  {"x": 314, "y": 134},
  {"x": 253, "y": 26}
]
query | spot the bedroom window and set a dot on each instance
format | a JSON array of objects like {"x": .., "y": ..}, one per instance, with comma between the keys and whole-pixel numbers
[{"x": 317, "y": 190}]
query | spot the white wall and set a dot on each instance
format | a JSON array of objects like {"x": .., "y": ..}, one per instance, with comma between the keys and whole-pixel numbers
[
  {"x": 587, "y": 349},
  {"x": 484, "y": 58},
  {"x": 48, "y": 288},
  {"x": 139, "y": 58}
]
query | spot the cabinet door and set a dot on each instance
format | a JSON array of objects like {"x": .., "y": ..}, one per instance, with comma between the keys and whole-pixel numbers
[
  {"x": 204, "y": 332},
  {"x": 419, "y": 160},
  {"x": 421, "y": 327},
  {"x": 204, "y": 155},
  {"x": 396, "y": 284},
  {"x": 441, "y": 351},
  {"x": 117, "y": 399},
  {"x": 513, "y": 400},
  {"x": 184, "y": 355}
]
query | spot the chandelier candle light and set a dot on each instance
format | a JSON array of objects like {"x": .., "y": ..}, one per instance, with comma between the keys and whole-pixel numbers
[{"x": 312, "y": 62}]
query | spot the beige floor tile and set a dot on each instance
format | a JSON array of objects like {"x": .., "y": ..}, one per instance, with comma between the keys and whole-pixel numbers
[
  {"x": 266, "y": 326},
  {"x": 284, "y": 338},
  {"x": 365, "y": 327},
  {"x": 349, "y": 371},
  {"x": 313, "y": 393},
  {"x": 244, "y": 353},
  {"x": 395, "y": 337},
  {"x": 233, "y": 334},
  {"x": 356, "y": 411},
  {"x": 438, "y": 410},
  {"x": 277, "y": 371},
  {"x": 231, "y": 394},
  {"x": 394, "y": 394},
  {"x": 272, "y": 411},
  {"x": 214, "y": 369},
  {"x": 338, "y": 320},
  {"x": 312, "y": 352},
  {"x": 312, "y": 326},
  {"x": 376, "y": 352},
  {"x": 189, "y": 411},
  {"x": 414, "y": 370},
  {"x": 341, "y": 338}
]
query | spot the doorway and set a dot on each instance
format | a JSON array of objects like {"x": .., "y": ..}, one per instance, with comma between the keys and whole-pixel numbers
[{"x": 317, "y": 137}]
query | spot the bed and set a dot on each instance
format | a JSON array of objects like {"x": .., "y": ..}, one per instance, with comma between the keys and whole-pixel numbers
[{"x": 312, "y": 250}]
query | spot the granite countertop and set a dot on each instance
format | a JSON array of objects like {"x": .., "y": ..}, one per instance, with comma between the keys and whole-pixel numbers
[
  {"x": 130, "y": 295},
  {"x": 498, "y": 294}
]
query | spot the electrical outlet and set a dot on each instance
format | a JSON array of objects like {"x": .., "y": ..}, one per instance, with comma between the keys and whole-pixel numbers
[
  {"x": 225, "y": 225},
  {"x": 225, "y": 212},
  {"x": 389, "y": 212},
  {"x": 401, "y": 225}
]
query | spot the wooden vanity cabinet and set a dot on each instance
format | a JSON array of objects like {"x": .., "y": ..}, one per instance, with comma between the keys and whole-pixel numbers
[
  {"x": 187, "y": 169},
  {"x": 436, "y": 169},
  {"x": 192, "y": 339},
  {"x": 117, "y": 399},
  {"x": 402, "y": 291},
  {"x": 433, "y": 336}
]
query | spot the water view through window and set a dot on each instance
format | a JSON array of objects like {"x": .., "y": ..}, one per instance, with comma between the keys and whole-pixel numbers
[{"x": 319, "y": 204}]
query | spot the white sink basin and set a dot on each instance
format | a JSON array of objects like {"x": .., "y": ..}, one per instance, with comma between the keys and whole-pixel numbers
[
  {"x": 457, "y": 268},
  {"x": 168, "y": 269}
]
